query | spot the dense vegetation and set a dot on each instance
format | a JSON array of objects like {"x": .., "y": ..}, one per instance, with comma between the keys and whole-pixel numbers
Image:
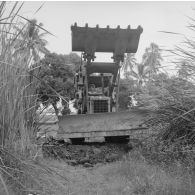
[
  {"x": 170, "y": 96},
  {"x": 26, "y": 77},
  {"x": 56, "y": 74}
]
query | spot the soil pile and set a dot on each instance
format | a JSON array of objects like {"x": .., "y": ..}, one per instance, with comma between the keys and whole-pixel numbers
[{"x": 86, "y": 154}]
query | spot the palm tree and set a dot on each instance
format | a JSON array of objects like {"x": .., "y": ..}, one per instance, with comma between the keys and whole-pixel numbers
[
  {"x": 128, "y": 63},
  {"x": 140, "y": 74},
  {"x": 32, "y": 40},
  {"x": 152, "y": 59},
  {"x": 186, "y": 69}
]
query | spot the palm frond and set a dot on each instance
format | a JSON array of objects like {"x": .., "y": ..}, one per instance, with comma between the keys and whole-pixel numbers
[
  {"x": 169, "y": 32},
  {"x": 39, "y": 8},
  {"x": 36, "y": 25}
]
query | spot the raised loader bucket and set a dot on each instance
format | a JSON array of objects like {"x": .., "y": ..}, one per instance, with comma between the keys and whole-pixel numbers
[{"x": 90, "y": 40}]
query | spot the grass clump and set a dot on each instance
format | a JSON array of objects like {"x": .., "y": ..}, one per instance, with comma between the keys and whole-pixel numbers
[
  {"x": 17, "y": 95},
  {"x": 135, "y": 175}
]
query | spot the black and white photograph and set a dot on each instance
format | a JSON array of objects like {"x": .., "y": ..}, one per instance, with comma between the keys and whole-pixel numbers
[{"x": 97, "y": 97}]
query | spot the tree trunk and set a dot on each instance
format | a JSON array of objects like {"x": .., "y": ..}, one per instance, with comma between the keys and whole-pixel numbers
[
  {"x": 55, "y": 108},
  {"x": 118, "y": 90}
]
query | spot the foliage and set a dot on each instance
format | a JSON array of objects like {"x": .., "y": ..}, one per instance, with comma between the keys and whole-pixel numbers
[
  {"x": 184, "y": 72},
  {"x": 128, "y": 87},
  {"x": 140, "y": 74},
  {"x": 173, "y": 101},
  {"x": 152, "y": 59},
  {"x": 17, "y": 101},
  {"x": 172, "y": 98},
  {"x": 153, "y": 90},
  {"x": 186, "y": 54},
  {"x": 73, "y": 59},
  {"x": 144, "y": 71},
  {"x": 57, "y": 72},
  {"x": 129, "y": 63},
  {"x": 123, "y": 94},
  {"x": 33, "y": 42},
  {"x": 176, "y": 106},
  {"x": 17, "y": 92}
]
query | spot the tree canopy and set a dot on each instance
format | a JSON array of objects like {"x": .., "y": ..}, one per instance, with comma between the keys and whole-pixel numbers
[
  {"x": 152, "y": 59},
  {"x": 137, "y": 75},
  {"x": 30, "y": 40},
  {"x": 57, "y": 72}
]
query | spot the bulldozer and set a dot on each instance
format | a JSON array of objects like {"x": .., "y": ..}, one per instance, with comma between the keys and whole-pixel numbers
[{"x": 97, "y": 85}]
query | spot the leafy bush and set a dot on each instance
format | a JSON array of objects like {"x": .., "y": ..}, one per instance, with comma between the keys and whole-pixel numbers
[{"x": 174, "y": 110}]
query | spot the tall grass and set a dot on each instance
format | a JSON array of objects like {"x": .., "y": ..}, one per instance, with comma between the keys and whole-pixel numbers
[
  {"x": 17, "y": 97},
  {"x": 175, "y": 113},
  {"x": 173, "y": 97},
  {"x": 134, "y": 175}
]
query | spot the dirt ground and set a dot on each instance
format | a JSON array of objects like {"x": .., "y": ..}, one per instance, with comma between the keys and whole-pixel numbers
[{"x": 86, "y": 154}]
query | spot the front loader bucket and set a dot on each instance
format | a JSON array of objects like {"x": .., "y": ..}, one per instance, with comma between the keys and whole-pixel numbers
[
  {"x": 101, "y": 124},
  {"x": 97, "y": 39}
]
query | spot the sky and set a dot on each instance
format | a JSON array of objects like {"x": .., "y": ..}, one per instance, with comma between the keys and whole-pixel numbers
[{"x": 153, "y": 16}]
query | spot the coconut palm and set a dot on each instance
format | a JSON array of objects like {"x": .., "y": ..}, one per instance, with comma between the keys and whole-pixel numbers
[
  {"x": 128, "y": 63},
  {"x": 140, "y": 73},
  {"x": 33, "y": 42},
  {"x": 152, "y": 59}
]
